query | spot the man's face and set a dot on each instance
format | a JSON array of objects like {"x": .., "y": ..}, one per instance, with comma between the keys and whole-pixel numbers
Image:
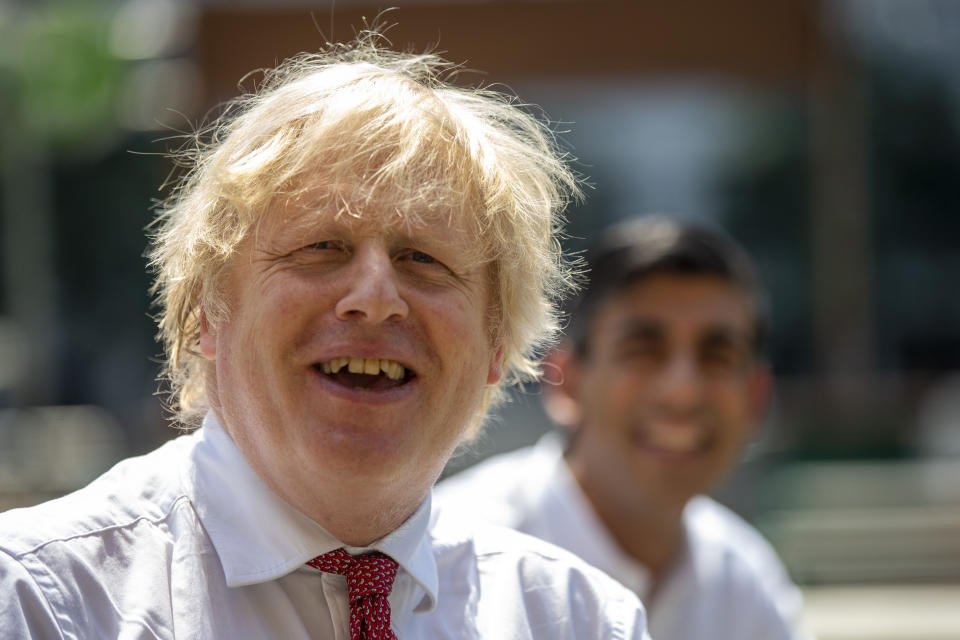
[
  {"x": 351, "y": 355},
  {"x": 668, "y": 391}
]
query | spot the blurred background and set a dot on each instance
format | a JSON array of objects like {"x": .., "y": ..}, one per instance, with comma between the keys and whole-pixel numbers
[{"x": 824, "y": 135}]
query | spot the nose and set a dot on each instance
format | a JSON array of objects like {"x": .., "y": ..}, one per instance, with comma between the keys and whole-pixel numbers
[
  {"x": 680, "y": 385},
  {"x": 371, "y": 292}
]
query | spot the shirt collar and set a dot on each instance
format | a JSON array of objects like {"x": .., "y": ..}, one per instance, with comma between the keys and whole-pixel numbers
[{"x": 259, "y": 537}]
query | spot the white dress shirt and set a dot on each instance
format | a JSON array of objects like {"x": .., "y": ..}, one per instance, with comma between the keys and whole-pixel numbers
[
  {"x": 188, "y": 542},
  {"x": 728, "y": 583}
]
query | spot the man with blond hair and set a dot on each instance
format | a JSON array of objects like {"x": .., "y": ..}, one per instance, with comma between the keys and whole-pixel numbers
[{"x": 356, "y": 263}]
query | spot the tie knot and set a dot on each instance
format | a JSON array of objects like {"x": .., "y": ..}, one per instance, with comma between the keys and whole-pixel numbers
[{"x": 367, "y": 574}]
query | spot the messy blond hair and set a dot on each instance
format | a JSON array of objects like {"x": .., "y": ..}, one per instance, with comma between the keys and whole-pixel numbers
[{"x": 390, "y": 125}]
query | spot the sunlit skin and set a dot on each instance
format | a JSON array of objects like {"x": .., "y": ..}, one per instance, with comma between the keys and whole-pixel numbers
[
  {"x": 666, "y": 396},
  {"x": 309, "y": 287}
]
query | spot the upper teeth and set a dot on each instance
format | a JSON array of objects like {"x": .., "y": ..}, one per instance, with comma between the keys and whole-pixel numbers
[
  {"x": 371, "y": 366},
  {"x": 674, "y": 438}
]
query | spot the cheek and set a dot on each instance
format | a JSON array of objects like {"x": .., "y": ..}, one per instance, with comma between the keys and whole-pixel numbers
[
  {"x": 454, "y": 324},
  {"x": 730, "y": 400},
  {"x": 280, "y": 312},
  {"x": 252, "y": 344},
  {"x": 611, "y": 391},
  {"x": 731, "y": 393}
]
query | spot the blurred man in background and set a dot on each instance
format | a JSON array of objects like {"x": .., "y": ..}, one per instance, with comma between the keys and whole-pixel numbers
[
  {"x": 662, "y": 382},
  {"x": 353, "y": 265}
]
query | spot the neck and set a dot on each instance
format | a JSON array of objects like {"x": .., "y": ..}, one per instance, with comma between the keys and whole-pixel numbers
[
  {"x": 363, "y": 526},
  {"x": 651, "y": 534},
  {"x": 654, "y": 540},
  {"x": 366, "y": 515}
]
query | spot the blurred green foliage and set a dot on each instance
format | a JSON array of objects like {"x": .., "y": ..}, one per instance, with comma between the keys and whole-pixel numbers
[{"x": 59, "y": 81}]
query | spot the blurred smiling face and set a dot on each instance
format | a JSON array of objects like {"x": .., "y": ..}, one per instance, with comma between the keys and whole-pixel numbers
[
  {"x": 352, "y": 351},
  {"x": 669, "y": 390}
]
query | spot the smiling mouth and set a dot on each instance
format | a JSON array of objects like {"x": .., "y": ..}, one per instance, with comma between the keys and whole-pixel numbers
[
  {"x": 672, "y": 439},
  {"x": 365, "y": 373}
]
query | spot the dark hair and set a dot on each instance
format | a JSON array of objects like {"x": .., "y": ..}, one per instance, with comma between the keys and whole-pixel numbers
[{"x": 655, "y": 245}]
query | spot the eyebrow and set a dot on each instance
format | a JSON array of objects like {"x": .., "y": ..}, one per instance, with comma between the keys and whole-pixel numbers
[
  {"x": 640, "y": 327},
  {"x": 715, "y": 335}
]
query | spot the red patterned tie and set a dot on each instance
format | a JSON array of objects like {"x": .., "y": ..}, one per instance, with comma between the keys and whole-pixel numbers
[{"x": 369, "y": 581}]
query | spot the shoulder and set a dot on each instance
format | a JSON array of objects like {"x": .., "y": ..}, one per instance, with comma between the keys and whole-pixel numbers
[
  {"x": 136, "y": 489},
  {"x": 715, "y": 528},
  {"x": 732, "y": 557},
  {"x": 532, "y": 582},
  {"x": 63, "y": 560}
]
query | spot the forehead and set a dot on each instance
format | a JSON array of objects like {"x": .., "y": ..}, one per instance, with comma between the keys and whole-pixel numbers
[
  {"x": 342, "y": 210},
  {"x": 678, "y": 304}
]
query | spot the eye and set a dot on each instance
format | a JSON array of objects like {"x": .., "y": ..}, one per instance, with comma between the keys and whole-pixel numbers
[
  {"x": 421, "y": 264},
  {"x": 722, "y": 358},
  {"x": 642, "y": 340},
  {"x": 420, "y": 256},
  {"x": 641, "y": 349},
  {"x": 718, "y": 356},
  {"x": 326, "y": 249},
  {"x": 323, "y": 252},
  {"x": 324, "y": 244}
]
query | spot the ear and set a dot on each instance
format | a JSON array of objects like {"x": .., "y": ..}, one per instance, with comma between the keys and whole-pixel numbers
[
  {"x": 495, "y": 370},
  {"x": 560, "y": 380},
  {"x": 208, "y": 337}
]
